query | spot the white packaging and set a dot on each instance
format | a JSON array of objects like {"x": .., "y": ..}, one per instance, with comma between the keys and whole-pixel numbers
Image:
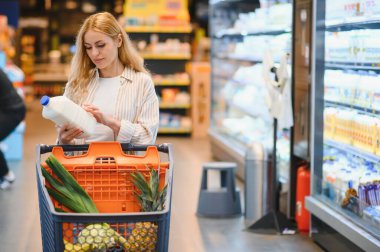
[
  {"x": 337, "y": 47},
  {"x": 364, "y": 89},
  {"x": 62, "y": 110},
  {"x": 376, "y": 94},
  {"x": 350, "y": 83},
  {"x": 332, "y": 80},
  {"x": 371, "y": 47}
]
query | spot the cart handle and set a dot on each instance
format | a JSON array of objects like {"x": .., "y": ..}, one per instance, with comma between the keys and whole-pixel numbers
[{"x": 83, "y": 147}]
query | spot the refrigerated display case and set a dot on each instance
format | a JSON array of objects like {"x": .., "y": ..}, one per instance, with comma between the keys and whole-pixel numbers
[
  {"x": 345, "y": 200},
  {"x": 242, "y": 32}
]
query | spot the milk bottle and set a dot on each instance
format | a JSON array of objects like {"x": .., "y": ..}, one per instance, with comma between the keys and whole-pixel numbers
[{"x": 62, "y": 110}]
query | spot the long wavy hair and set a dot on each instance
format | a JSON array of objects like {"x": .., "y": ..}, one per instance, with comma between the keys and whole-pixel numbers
[{"x": 83, "y": 70}]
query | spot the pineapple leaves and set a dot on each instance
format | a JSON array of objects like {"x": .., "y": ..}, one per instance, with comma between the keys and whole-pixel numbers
[
  {"x": 150, "y": 197},
  {"x": 154, "y": 183},
  {"x": 141, "y": 184}
]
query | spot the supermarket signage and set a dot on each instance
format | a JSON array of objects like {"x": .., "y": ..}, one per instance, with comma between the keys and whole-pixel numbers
[{"x": 156, "y": 12}]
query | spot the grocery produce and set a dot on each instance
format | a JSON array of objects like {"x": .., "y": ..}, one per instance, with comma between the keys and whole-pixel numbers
[
  {"x": 101, "y": 237},
  {"x": 144, "y": 234},
  {"x": 66, "y": 191}
]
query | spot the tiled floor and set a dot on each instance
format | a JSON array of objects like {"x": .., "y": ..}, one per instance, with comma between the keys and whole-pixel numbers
[{"x": 19, "y": 215}]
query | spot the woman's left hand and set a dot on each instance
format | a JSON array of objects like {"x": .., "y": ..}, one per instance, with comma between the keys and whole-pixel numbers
[
  {"x": 102, "y": 118},
  {"x": 99, "y": 116}
]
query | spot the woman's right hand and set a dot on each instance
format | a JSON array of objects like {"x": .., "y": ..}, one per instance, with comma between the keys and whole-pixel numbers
[{"x": 66, "y": 134}]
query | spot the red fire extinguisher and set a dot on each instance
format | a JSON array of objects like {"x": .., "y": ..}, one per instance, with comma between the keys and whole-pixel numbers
[{"x": 303, "y": 190}]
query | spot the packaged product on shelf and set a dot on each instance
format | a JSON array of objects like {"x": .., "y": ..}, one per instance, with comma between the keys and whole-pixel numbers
[
  {"x": 182, "y": 98},
  {"x": 364, "y": 132},
  {"x": 377, "y": 148},
  {"x": 337, "y": 47},
  {"x": 351, "y": 8},
  {"x": 371, "y": 47},
  {"x": 169, "y": 94},
  {"x": 364, "y": 89},
  {"x": 332, "y": 85},
  {"x": 175, "y": 121},
  {"x": 185, "y": 122},
  {"x": 329, "y": 122},
  {"x": 164, "y": 119},
  {"x": 349, "y": 82},
  {"x": 343, "y": 132},
  {"x": 335, "y": 10},
  {"x": 376, "y": 93},
  {"x": 372, "y": 8}
]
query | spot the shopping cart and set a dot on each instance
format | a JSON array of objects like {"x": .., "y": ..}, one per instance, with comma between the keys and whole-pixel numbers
[{"x": 103, "y": 169}]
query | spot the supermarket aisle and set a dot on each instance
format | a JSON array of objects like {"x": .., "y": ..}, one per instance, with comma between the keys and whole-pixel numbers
[{"x": 19, "y": 216}]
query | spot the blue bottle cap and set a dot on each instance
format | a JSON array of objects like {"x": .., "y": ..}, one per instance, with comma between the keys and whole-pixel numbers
[{"x": 45, "y": 100}]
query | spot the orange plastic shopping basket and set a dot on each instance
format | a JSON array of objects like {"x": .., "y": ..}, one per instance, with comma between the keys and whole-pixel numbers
[{"x": 103, "y": 169}]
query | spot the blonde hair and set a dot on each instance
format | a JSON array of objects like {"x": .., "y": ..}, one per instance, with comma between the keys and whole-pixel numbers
[{"x": 82, "y": 68}]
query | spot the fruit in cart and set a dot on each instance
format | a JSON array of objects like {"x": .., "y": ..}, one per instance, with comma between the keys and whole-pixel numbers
[
  {"x": 69, "y": 247},
  {"x": 100, "y": 236},
  {"x": 151, "y": 198},
  {"x": 66, "y": 191},
  {"x": 143, "y": 237},
  {"x": 144, "y": 234}
]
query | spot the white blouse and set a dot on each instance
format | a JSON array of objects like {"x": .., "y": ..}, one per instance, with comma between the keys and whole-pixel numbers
[{"x": 136, "y": 106}]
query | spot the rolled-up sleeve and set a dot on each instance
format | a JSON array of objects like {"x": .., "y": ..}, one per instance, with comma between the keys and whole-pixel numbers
[{"x": 144, "y": 129}]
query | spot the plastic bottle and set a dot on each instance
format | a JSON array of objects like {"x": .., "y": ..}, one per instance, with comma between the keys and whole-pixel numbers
[{"x": 62, "y": 110}]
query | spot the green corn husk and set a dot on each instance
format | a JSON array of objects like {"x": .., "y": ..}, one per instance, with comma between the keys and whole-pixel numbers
[
  {"x": 69, "y": 193},
  {"x": 62, "y": 194},
  {"x": 71, "y": 184}
]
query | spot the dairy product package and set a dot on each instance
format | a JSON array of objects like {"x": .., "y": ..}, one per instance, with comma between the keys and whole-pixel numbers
[{"x": 62, "y": 110}]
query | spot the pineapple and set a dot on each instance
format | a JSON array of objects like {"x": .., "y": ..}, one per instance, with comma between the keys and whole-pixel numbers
[{"x": 144, "y": 235}]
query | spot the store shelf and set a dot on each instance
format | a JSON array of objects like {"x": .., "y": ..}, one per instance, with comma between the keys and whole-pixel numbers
[
  {"x": 160, "y": 29},
  {"x": 174, "y": 106},
  {"x": 168, "y": 130},
  {"x": 345, "y": 24},
  {"x": 237, "y": 58},
  {"x": 242, "y": 58},
  {"x": 367, "y": 111},
  {"x": 353, "y": 66},
  {"x": 235, "y": 33},
  {"x": 352, "y": 150},
  {"x": 342, "y": 224},
  {"x": 152, "y": 56},
  {"x": 46, "y": 77},
  {"x": 172, "y": 83},
  {"x": 214, "y": 2}
]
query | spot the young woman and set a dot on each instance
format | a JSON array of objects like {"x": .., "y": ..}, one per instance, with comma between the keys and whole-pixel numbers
[
  {"x": 109, "y": 80},
  {"x": 12, "y": 112}
]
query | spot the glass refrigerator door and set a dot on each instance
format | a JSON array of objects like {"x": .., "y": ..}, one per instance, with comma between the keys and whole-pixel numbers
[
  {"x": 346, "y": 120},
  {"x": 242, "y": 32}
]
